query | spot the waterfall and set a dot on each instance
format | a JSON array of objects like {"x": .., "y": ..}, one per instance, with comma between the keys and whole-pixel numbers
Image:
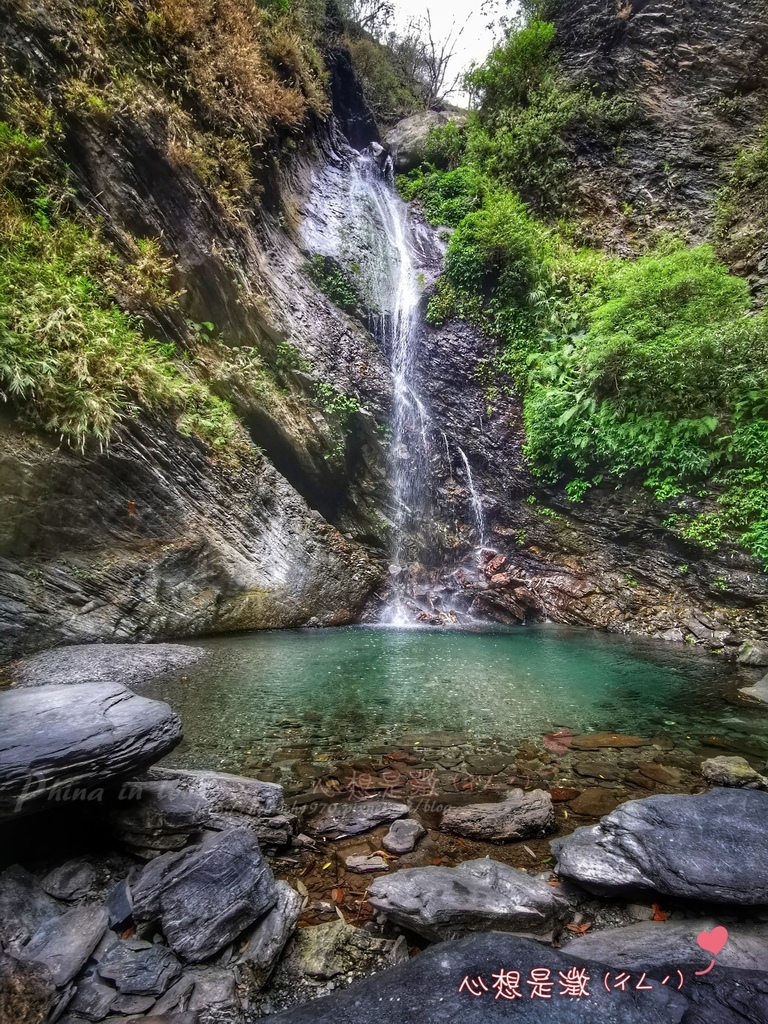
[{"x": 365, "y": 225}]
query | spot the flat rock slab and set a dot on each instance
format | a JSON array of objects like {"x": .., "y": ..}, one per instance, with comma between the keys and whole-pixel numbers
[
  {"x": 425, "y": 990},
  {"x": 598, "y": 740},
  {"x": 653, "y": 944},
  {"x": 205, "y": 896},
  {"x": 362, "y": 865},
  {"x": 63, "y": 944},
  {"x": 402, "y": 836},
  {"x": 712, "y": 847},
  {"x": 127, "y": 664},
  {"x": 58, "y": 741},
  {"x": 157, "y": 817},
  {"x": 478, "y": 895},
  {"x": 519, "y": 816},
  {"x": 353, "y": 817},
  {"x": 594, "y": 802},
  {"x": 234, "y": 801}
]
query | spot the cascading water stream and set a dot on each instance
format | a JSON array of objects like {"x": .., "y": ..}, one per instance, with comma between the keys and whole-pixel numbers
[{"x": 370, "y": 231}]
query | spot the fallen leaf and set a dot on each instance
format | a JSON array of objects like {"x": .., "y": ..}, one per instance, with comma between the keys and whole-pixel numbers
[
  {"x": 437, "y": 861},
  {"x": 529, "y": 851},
  {"x": 128, "y": 933},
  {"x": 337, "y": 895},
  {"x": 579, "y": 929},
  {"x": 327, "y": 865},
  {"x": 553, "y": 881},
  {"x": 658, "y": 913},
  {"x": 301, "y": 888},
  {"x": 384, "y": 854}
]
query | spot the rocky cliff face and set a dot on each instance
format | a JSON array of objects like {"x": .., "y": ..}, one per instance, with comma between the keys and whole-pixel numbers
[{"x": 158, "y": 536}]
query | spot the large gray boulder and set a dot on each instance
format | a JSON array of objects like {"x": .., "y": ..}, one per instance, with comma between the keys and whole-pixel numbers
[
  {"x": 128, "y": 664},
  {"x": 651, "y": 945},
  {"x": 518, "y": 816},
  {"x": 426, "y": 990},
  {"x": 205, "y": 896},
  {"x": 407, "y": 141},
  {"x": 754, "y": 652},
  {"x": 712, "y": 847},
  {"x": 60, "y": 743},
  {"x": 732, "y": 771},
  {"x": 478, "y": 895}
]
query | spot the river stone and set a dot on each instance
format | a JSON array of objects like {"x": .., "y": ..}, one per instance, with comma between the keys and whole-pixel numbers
[
  {"x": 478, "y": 895},
  {"x": 732, "y": 771},
  {"x": 354, "y": 817},
  {"x": 594, "y": 802},
  {"x": 326, "y": 951},
  {"x": 58, "y": 741},
  {"x": 234, "y": 801},
  {"x": 70, "y": 881},
  {"x": 215, "y": 1000},
  {"x": 26, "y": 992},
  {"x": 140, "y": 968},
  {"x": 128, "y": 664},
  {"x": 651, "y": 945},
  {"x": 403, "y": 836},
  {"x": 64, "y": 943},
  {"x": 753, "y": 652},
  {"x": 425, "y": 990},
  {"x": 519, "y": 816},
  {"x": 24, "y": 907},
  {"x": 598, "y": 740},
  {"x": 207, "y": 895},
  {"x": 93, "y": 998},
  {"x": 270, "y": 935},
  {"x": 712, "y": 847},
  {"x": 361, "y": 865},
  {"x": 759, "y": 691}
]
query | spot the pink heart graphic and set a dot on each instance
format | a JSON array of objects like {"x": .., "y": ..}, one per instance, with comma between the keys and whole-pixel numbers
[
  {"x": 558, "y": 742},
  {"x": 713, "y": 941}
]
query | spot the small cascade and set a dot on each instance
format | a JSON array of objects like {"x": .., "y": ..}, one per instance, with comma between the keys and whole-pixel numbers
[{"x": 477, "y": 504}]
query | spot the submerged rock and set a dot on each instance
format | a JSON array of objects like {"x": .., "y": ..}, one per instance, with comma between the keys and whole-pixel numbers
[
  {"x": 207, "y": 895},
  {"x": 60, "y": 742},
  {"x": 759, "y": 691},
  {"x": 753, "y": 652},
  {"x": 732, "y": 771},
  {"x": 519, "y": 816},
  {"x": 403, "y": 836},
  {"x": 712, "y": 847},
  {"x": 478, "y": 895},
  {"x": 361, "y": 865},
  {"x": 354, "y": 817},
  {"x": 127, "y": 664},
  {"x": 598, "y": 740}
]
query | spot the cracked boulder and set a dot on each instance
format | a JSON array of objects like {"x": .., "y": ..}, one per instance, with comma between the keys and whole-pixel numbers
[{"x": 519, "y": 816}]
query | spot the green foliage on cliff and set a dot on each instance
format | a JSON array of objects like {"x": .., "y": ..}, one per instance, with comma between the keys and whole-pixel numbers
[
  {"x": 331, "y": 278},
  {"x": 70, "y": 357},
  {"x": 741, "y": 228},
  {"x": 652, "y": 370}
]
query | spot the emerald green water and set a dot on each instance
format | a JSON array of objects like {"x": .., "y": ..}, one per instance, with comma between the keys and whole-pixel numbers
[{"x": 325, "y": 695}]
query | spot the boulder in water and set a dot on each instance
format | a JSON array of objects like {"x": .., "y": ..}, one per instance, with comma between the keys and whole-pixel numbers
[
  {"x": 712, "y": 847},
  {"x": 128, "y": 664},
  {"x": 478, "y": 895},
  {"x": 732, "y": 771},
  {"x": 519, "y": 816}
]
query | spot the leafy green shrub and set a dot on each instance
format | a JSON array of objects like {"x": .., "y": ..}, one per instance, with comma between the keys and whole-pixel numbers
[
  {"x": 331, "y": 278},
  {"x": 446, "y": 146},
  {"x": 514, "y": 70},
  {"x": 447, "y": 196}
]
